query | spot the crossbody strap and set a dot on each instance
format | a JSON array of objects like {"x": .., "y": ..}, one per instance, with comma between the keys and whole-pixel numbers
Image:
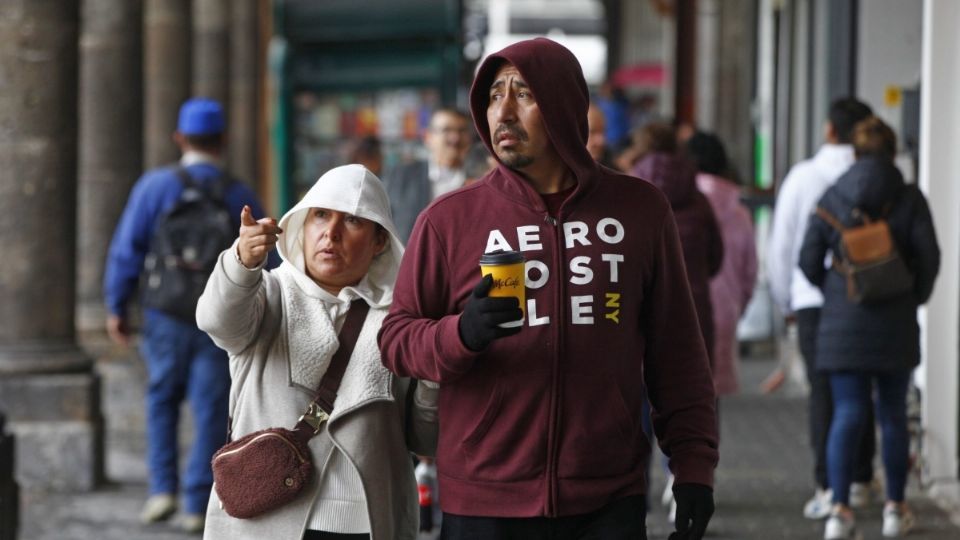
[{"x": 321, "y": 407}]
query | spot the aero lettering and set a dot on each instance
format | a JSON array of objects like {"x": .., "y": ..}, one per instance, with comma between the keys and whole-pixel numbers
[{"x": 582, "y": 270}]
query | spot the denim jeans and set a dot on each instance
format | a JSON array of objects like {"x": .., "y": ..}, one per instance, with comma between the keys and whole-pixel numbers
[
  {"x": 852, "y": 401},
  {"x": 182, "y": 362},
  {"x": 820, "y": 406},
  {"x": 624, "y": 519}
]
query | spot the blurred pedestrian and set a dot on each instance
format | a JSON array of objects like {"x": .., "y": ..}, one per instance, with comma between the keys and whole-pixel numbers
[
  {"x": 478, "y": 163},
  {"x": 367, "y": 151},
  {"x": 800, "y": 301},
  {"x": 341, "y": 252},
  {"x": 596, "y": 136},
  {"x": 643, "y": 110},
  {"x": 732, "y": 287},
  {"x": 703, "y": 250},
  {"x": 413, "y": 185},
  {"x": 653, "y": 137},
  {"x": 616, "y": 111},
  {"x": 541, "y": 419},
  {"x": 870, "y": 341},
  {"x": 185, "y": 214}
]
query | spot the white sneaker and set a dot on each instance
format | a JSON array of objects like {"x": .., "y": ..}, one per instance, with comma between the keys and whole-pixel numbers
[
  {"x": 158, "y": 507},
  {"x": 898, "y": 520},
  {"x": 861, "y": 494},
  {"x": 841, "y": 528},
  {"x": 667, "y": 498},
  {"x": 818, "y": 507}
]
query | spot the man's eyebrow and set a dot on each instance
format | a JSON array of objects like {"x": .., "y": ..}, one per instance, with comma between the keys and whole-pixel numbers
[{"x": 518, "y": 83}]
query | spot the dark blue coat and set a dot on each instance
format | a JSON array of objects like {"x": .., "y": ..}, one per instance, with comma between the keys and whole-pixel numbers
[
  {"x": 409, "y": 189},
  {"x": 877, "y": 337}
]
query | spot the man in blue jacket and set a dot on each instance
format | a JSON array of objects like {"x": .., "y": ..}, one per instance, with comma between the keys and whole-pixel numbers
[{"x": 182, "y": 361}]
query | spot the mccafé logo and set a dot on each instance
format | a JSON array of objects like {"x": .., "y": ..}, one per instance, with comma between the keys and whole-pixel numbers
[{"x": 502, "y": 283}]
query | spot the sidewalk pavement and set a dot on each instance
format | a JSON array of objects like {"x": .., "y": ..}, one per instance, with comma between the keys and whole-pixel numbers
[{"x": 762, "y": 481}]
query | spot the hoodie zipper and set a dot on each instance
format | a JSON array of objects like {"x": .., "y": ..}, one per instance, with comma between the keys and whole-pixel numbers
[{"x": 553, "y": 433}]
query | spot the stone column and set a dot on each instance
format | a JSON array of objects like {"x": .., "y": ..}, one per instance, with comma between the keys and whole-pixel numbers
[
  {"x": 707, "y": 64},
  {"x": 111, "y": 126},
  {"x": 211, "y": 49},
  {"x": 47, "y": 386},
  {"x": 166, "y": 75},
  {"x": 733, "y": 119},
  {"x": 939, "y": 170},
  {"x": 242, "y": 128}
]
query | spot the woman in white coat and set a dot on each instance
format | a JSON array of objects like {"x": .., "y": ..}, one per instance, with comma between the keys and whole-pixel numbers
[{"x": 280, "y": 328}]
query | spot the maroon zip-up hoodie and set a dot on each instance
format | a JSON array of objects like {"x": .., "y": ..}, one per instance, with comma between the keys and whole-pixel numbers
[{"x": 547, "y": 422}]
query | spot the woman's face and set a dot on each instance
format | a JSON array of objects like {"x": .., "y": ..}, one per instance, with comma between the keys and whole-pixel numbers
[{"x": 339, "y": 248}]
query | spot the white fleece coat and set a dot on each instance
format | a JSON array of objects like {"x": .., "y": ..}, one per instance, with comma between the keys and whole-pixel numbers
[{"x": 280, "y": 330}]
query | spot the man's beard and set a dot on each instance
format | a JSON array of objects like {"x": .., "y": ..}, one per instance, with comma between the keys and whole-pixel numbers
[
  {"x": 511, "y": 158},
  {"x": 514, "y": 160}
]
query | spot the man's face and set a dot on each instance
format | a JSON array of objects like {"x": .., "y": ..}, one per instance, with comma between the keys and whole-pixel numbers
[
  {"x": 448, "y": 139},
  {"x": 597, "y": 139},
  {"x": 517, "y": 132}
]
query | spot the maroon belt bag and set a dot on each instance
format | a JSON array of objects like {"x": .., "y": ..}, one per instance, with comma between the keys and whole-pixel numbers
[{"x": 267, "y": 469}]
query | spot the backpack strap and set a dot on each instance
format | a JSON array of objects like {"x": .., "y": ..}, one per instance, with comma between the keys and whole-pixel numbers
[
  {"x": 830, "y": 219},
  {"x": 184, "y": 177},
  {"x": 216, "y": 189},
  {"x": 838, "y": 264}
]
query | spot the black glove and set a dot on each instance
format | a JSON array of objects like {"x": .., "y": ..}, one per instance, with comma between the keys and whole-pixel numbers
[
  {"x": 694, "y": 508},
  {"x": 479, "y": 320}
]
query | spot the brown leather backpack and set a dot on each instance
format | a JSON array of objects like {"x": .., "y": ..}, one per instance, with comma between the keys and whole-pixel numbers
[{"x": 869, "y": 259}]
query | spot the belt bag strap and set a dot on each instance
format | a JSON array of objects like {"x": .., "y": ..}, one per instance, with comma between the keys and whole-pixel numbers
[{"x": 321, "y": 407}]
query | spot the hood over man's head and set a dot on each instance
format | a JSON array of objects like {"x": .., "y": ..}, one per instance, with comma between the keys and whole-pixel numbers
[{"x": 555, "y": 78}]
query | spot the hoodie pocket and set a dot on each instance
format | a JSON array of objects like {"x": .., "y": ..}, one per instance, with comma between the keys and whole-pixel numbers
[
  {"x": 503, "y": 438},
  {"x": 600, "y": 433},
  {"x": 490, "y": 412}
]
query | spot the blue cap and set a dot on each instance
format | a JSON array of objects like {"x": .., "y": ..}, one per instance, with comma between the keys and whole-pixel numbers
[{"x": 200, "y": 116}]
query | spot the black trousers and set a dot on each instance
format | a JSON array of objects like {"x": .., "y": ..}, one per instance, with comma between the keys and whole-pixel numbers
[
  {"x": 821, "y": 406},
  {"x": 624, "y": 519},
  {"x": 321, "y": 535}
]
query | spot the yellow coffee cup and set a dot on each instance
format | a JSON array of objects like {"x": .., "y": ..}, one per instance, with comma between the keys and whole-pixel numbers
[{"x": 508, "y": 272}]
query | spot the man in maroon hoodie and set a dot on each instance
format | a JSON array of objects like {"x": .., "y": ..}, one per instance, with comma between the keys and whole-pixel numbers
[{"x": 540, "y": 425}]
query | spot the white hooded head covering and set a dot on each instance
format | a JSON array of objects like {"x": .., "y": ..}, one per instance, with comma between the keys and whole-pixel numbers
[{"x": 354, "y": 190}]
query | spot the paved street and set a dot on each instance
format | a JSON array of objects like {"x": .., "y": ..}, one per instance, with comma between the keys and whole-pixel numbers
[{"x": 762, "y": 481}]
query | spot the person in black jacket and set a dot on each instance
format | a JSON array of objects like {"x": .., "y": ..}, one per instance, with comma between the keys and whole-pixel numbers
[{"x": 859, "y": 343}]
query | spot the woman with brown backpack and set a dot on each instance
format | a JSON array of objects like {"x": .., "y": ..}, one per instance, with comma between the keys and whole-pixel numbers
[{"x": 868, "y": 338}]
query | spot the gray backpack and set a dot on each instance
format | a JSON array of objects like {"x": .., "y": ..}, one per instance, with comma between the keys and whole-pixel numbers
[{"x": 185, "y": 246}]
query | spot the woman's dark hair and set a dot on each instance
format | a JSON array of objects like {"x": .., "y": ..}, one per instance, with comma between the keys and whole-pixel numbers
[
  {"x": 708, "y": 153},
  {"x": 873, "y": 137},
  {"x": 656, "y": 137}
]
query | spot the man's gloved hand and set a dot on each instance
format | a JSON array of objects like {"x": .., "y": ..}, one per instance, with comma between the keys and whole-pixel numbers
[
  {"x": 479, "y": 320},
  {"x": 694, "y": 509}
]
